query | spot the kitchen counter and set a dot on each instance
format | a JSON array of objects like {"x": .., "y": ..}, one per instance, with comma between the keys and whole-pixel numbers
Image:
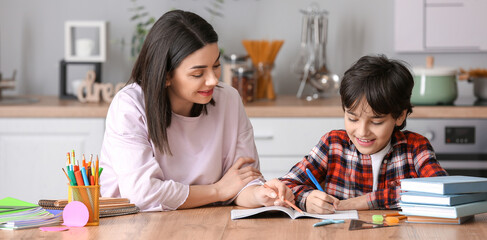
[
  {"x": 53, "y": 107},
  {"x": 283, "y": 106}
]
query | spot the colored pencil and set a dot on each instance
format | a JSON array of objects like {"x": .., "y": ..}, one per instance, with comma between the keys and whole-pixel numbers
[{"x": 287, "y": 201}]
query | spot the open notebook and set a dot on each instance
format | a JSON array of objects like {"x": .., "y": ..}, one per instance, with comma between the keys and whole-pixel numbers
[{"x": 243, "y": 213}]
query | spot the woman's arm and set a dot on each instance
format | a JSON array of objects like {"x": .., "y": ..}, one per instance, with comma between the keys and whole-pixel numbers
[{"x": 226, "y": 188}]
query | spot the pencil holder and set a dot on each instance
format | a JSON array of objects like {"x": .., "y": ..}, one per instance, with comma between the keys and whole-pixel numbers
[{"x": 89, "y": 196}]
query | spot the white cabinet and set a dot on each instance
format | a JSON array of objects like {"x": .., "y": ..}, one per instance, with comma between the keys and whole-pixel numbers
[
  {"x": 440, "y": 25},
  {"x": 33, "y": 151},
  {"x": 282, "y": 142}
]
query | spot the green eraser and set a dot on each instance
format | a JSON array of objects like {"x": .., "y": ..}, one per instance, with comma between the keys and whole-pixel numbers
[{"x": 377, "y": 218}]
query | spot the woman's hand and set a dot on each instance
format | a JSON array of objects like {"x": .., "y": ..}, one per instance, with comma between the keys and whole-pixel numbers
[
  {"x": 274, "y": 192},
  {"x": 321, "y": 202},
  {"x": 236, "y": 178}
]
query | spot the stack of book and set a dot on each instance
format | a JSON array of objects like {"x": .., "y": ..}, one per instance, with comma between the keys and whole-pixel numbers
[
  {"x": 445, "y": 199},
  {"x": 109, "y": 207},
  {"x": 17, "y": 214}
]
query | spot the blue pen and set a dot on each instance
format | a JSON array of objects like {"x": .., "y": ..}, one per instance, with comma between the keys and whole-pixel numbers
[
  {"x": 313, "y": 179},
  {"x": 85, "y": 177}
]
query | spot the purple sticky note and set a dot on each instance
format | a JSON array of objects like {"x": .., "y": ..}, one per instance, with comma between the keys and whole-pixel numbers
[{"x": 75, "y": 214}]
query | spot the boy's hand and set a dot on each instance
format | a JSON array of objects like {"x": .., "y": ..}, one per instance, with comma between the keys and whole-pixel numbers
[
  {"x": 321, "y": 203},
  {"x": 274, "y": 193},
  {"x": 356, "y": 203}
]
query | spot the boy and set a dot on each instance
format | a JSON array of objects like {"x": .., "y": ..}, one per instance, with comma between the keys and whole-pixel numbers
[{"x": 360, "y": 167}]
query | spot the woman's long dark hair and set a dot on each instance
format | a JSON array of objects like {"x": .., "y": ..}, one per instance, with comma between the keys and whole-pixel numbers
[
  {"x": 173, "y": 37},
  {"x": 386, "y": 85}
]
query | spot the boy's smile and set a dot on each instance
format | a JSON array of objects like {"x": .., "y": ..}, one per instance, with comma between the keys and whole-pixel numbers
[{"x": 368, "y": 131}]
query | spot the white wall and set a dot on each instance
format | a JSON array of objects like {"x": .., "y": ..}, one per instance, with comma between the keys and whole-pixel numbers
[{"x": 32, "y": 35}]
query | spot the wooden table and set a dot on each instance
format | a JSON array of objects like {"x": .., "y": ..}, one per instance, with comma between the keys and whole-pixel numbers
[{"x": 215, "y": 223}]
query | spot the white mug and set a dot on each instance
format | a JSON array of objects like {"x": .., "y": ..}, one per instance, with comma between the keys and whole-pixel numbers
[{"x": 84, "y": 47}]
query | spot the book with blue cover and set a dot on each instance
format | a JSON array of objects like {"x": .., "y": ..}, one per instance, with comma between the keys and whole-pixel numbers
[
  {"x": 443, "y": 211},
  {"x": 440, "y": 199},
  {"x": 445, "y": 184}
]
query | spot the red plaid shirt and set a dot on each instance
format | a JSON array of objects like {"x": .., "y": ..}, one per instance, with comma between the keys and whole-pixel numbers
[{"x": 345, "y": 173}]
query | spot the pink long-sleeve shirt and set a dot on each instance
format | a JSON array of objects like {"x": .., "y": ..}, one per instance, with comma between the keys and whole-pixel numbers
[{"x": 203, "y": 149}]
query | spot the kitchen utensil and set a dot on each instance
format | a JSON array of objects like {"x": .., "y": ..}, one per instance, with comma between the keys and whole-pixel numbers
[
  {"x": 479, "y": 78},
  {"x": 322, "y": 78},
  {"x": 359, "y": 224},
  {"x": 315, "y": 71},
  {"x": 299, "y": 65},
  {"x": 434, "y": 85},
  {"x": 480, "y": 87}
]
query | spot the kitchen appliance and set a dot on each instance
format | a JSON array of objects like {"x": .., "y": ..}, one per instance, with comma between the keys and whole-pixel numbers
[
  {"x": 311, "y": 62},
  {"x": 460, "y": 144}
]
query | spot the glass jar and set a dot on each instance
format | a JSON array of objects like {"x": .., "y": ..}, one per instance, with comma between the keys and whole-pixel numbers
[
  {"x": 265, "y": 88},
  {"x": 230, "y": 62},
  {"x": 243, "y": 79}
]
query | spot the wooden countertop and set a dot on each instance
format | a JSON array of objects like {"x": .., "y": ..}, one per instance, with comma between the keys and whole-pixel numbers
[
  {"x": 53, "y": 107},
  {"x": 215, "y": 223},
  {"x": 283, "y": 106}
]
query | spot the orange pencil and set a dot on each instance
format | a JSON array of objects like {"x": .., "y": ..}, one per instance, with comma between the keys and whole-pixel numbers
[
  {"x": 69, "y": 180},
  {"x": 92, "y": 180},
  {"x": 84, "y": 161},
  {"x": 79, "y": 178},
  {"x": 287, "y": 201},
  {"x": 392, "y": 214},
  {"x": 68, "y": 158},
  {"x": 83, "y": 192},
  {"x": 97, "y": 174}
]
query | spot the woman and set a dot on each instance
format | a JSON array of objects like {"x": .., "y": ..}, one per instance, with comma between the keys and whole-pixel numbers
[{"x": 177, "y": 138}]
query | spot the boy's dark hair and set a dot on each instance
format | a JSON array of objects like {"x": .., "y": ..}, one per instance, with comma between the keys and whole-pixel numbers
[
  {"x": 386, "y": 84},
  {"x": 173, "y": 37}
]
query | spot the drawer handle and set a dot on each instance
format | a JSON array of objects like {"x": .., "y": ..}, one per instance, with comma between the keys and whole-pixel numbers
[{"x": 264, "y": 136}]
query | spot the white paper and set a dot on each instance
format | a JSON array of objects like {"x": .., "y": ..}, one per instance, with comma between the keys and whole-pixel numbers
[{"x": 243, "y": 213}]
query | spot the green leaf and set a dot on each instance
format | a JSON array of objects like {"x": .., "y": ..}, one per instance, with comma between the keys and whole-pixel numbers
[
  {"x": 136, "y": 8},
  {"x": 213, "y": 12}
]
